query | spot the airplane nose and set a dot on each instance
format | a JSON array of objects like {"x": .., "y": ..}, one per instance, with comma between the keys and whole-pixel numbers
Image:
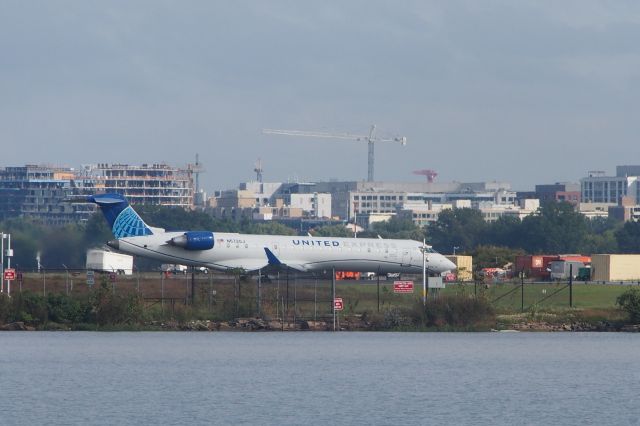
[{"x": 449, "y": 265}]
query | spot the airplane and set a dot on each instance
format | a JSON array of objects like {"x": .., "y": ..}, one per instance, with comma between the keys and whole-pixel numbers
[{"x": 255, "y": 253}]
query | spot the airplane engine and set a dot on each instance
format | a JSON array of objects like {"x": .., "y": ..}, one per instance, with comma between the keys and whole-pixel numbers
[{"x": 193, "y": 240}]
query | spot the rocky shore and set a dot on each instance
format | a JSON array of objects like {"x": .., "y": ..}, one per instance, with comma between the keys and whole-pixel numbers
[
  {"x": 259, "y": 324},
  {"x": 577, "y": 326},
  {"x": 355, "y": 324}
]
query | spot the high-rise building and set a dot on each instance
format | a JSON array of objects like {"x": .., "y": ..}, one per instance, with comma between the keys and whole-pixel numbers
[
  {"x": 39, "y": 192},
  {"x": 601, "y": 189},
  {"x": 152, "y": 184}
]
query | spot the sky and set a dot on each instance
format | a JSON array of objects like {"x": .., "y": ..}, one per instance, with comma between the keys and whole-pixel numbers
[{"x": 525, "y": 92}]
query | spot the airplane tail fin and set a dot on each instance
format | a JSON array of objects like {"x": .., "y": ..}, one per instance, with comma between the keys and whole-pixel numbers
[{"x": 122, "y": 218}]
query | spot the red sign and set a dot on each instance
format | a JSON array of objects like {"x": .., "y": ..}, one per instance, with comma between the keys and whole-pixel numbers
[
  {"x": 338, "y": 305},
  {"x": 403, "y": 286},
  {"x": 9, "y": 274}
]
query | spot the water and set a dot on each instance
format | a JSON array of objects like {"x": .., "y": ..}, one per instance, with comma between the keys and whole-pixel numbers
[{"x": 79, "y": 378}]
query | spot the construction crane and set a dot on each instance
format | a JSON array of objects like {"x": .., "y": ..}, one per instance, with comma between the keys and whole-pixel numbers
[
  {"x": 371, "y": 139},
  {"x": 258, "y": 169},
  {"x": 428, "y": 173},
  {"x": 196, "y": 169}
]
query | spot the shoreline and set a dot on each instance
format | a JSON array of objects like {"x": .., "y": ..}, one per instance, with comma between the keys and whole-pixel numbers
[{"x": 260, "y": 325}]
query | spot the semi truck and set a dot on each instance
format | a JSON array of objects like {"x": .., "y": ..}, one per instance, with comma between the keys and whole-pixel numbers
[
  {"x": 560, "y": 269},
  {"x": 108, "y": 261}
]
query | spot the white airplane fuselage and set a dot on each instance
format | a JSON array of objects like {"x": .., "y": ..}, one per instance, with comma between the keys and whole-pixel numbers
[{"x": 306, "y": 254}]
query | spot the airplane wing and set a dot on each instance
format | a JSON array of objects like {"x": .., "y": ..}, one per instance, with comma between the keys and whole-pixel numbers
[
  {"x": 278, "y": 263},
  {"x": 270, "y": 261}
]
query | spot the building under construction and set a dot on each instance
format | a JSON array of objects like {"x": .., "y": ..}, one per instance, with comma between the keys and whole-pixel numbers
[
  {"x": 42, "y": 192},
  {"x": 152, "y": 184}
]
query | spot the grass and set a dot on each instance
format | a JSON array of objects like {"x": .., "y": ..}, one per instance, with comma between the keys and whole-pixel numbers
[{"x": 312, "y": 299}]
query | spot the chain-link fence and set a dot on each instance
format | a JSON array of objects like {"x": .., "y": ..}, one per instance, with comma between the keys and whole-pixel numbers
[{"x": 294, "y": 296}]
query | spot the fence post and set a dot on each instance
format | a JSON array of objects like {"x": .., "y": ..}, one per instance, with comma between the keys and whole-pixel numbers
[
  {"x": 333, "y": 296},
  {"x": 571, "y": 285},
  {"x": 522, "y": 291},
  {"x": 378, "y": 276},
  {"x": 259, "y": 288}
]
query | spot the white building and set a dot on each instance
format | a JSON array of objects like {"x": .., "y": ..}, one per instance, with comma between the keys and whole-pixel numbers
[
  {"x": 492, "y": 212},
  {"x": 315, "y": 205},
  {"x": 609, "y": 190}
]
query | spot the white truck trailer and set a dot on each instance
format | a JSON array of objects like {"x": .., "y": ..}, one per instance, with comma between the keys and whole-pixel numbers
[{"x": 108, "y": 261}]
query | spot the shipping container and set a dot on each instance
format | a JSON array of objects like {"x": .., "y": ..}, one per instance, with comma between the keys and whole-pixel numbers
[
  {"x": 615, "y": 267},
  {"x": 561, "y": 269},
  {"x": 532, "y": 266},
  {"x": 539, "y": 266},
  {"x": 107, "y": 261},
  {"x": 464, "y": 265}
]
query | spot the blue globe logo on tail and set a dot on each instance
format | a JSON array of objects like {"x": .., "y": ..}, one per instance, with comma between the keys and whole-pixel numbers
[
  {"x": 129, "y": 224},
  {"x": 124, "y": 221}
]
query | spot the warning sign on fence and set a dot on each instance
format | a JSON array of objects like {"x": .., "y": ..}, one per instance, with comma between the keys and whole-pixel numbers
[
  {"x": 10, "y": 274},
  {"x": 338, "y": 305},
  {"x": 403, "y": 286}
]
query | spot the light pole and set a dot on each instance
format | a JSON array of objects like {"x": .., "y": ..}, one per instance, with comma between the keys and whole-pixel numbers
[
  {"x": 9, "y": 254},
  {"x": 2, "y": 235},
  {"x": 424, "y": 272},
  {"x": 454, "y": 249}
]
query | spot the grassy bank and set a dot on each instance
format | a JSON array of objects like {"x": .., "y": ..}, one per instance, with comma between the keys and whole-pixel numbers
[{"x": 149, "y": 303}]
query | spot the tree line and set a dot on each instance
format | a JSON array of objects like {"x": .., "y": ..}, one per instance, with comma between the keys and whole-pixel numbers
[{"x": 554, "y": 228}]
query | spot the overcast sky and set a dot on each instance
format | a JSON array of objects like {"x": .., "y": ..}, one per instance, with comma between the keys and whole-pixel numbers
[{"x": 516, "y": 91}]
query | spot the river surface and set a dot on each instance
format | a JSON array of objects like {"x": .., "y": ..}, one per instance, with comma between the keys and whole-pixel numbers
[{"x": 175, "y": 378}]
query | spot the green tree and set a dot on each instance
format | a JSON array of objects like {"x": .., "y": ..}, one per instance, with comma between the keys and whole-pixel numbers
[
  {"x": 340, "y": 231},
  {"x": 629, "y": 301},
  {"x": 63, "y": 246},
  {"x": 396, "y": 227},
  {"x": 462, "y": 228},
  {"x": 628, "y": 237},
  {"x": 505, "y": 231},
  {"x": 272, "y": 228},
  {"x": 26, "y": 241},
  {"x": 96, "y": 231},
  {"x": 175, "y": 218},
  {"x": 555, "y": 228},
  {"x": 494, "y": 256}
]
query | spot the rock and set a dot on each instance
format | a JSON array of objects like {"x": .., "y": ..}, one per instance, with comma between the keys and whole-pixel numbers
[
  {"x": 14, "y": 326},
  {"x": 275, "y": 325},
  {"x": 257, "y": 324},
  {"x": 317, "y": 325},
  {"x": 225, "y": 326}
]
